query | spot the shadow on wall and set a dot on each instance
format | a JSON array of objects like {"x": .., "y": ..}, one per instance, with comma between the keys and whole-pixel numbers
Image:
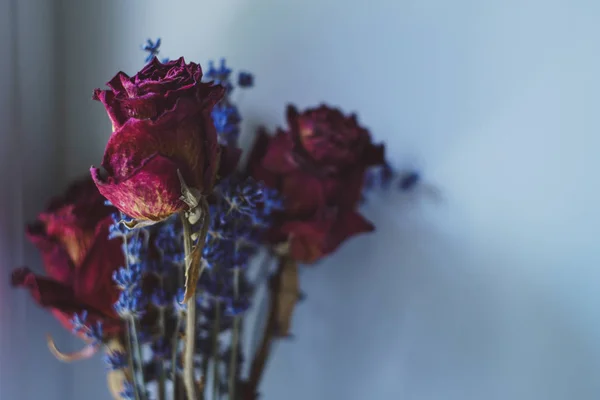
[{"x": 415, "y": 312}]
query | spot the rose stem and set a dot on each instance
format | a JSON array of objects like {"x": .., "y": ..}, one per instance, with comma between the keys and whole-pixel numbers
[
  {"x": 137, "y": 356},
  {"x": 234, "y": 339},
  {"x": 190, "y": 329},
  {"x": 262, "y": 354},
  {"x": 190, "y": 325},
  {"x": 174, "y": 355}
]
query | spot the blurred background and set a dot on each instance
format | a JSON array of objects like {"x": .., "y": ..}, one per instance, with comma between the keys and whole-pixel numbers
[{"x": 487, "y": 291}]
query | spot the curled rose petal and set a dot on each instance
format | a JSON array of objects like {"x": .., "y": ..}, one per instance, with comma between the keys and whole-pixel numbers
[{"x": 152, "y": 193}]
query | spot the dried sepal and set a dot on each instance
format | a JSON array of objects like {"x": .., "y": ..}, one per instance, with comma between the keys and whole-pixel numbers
[
  {"x": 189, "y": 195},
  {"x": 87, "y": 352},
  {"x": 192, "y": 273}
]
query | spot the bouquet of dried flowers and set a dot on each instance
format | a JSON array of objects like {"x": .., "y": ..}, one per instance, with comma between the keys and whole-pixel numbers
[{"x": 146, "y": 258}]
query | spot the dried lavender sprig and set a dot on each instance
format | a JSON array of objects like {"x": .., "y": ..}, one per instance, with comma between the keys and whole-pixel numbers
[{"x": 129, "y": 305}]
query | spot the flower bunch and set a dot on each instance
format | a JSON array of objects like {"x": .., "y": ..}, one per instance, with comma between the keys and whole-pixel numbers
[{"x": 147, "y": 257}]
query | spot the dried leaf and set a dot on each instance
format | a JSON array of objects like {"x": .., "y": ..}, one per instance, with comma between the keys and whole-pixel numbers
[
  {"x": 289, "y": 291},
  {"x": 194, "y": 267},
  {"x": 192, "y": 273},
  {"x": 87, "y": 352}
]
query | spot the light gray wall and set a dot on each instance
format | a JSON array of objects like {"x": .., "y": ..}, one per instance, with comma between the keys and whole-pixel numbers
[
  {"x": 490, "y": 293},
  {"x": 29, "y": 166}
]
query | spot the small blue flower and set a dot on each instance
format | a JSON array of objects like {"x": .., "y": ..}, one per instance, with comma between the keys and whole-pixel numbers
[
  {"x": 161, "y": 349},
  {"x": 127, "y": 279},
  {"x": 130, "y": 304},
  {"x": 92, "y": 332},
  {"x": 237, "y": 307},
  {"x": 136, "y": 247},
  {"x": 128, "y": 392},
  {"x": 226, "y": 118},
  {"x": 116, "y": 360},
  {"x": 220, "y": 75},
  {"x": 169, "y": 239},
  {"x": 179, "y": 308},
  {"x": 245, "y": 80},
  {"x": 117, "y": 229},
  {"x": 159, "y": 298},
  {"x": 409, "y": 181},
  {"x": 152, "y": 48}
]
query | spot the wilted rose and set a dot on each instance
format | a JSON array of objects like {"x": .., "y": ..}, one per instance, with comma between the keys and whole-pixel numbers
[
  {"x": 162, "y": 132},
  {"x": 318, "y": 166},
  {"x": 79, "y": 259},
  {"x": 331, "y": 141}
]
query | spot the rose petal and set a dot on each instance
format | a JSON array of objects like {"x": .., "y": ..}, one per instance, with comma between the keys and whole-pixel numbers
[
  {"x": 254, "y": 165},
  {"x": 348, "y": 192},
  {"x": 306, "y": 239},
  {"x": 374, "y": 155},
  {"x": 93, "y": 280},
  {"x": 59, "y": 298},
  {"x": 56, "y": 260},
  {"x": 128, "y": 149},
  {"x": 303, "y": 194},
  {"x": 346, "y": 225},
  {"x": 228, "y": 160},
  {"x": 279, "y": 157},
  {"x": 152, "y": 193}
]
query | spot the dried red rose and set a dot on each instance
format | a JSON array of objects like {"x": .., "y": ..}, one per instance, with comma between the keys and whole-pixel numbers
[
  {"x": 79, "y": 259},
  {"x": 319, "y": 168},
  {"x": 331, "y": 141},
  {"x": 162, "y": 131}
]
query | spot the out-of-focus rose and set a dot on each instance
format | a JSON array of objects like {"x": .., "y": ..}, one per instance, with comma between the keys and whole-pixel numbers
[
  {"x": 318, "y": 166},
  {"x": 79, "y": 259},
  {"x": 162, "y": 128},
  {"x": 331, "y": 141}
]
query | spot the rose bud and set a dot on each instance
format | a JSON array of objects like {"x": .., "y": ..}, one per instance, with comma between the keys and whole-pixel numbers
[{"x": 163, "y": 141}]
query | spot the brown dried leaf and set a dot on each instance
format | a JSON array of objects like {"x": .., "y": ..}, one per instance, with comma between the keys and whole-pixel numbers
[
  {"x": 287, "y": 297},
  {"x": 192, "y": 273}
]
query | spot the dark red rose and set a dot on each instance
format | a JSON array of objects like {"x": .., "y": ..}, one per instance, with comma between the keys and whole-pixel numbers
[
  {"x": 319, "y": 167},
  {"x": 162, "y": 127},
  {"x": 331, "y": 141},
  {"x": 79, "y": 259}
]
